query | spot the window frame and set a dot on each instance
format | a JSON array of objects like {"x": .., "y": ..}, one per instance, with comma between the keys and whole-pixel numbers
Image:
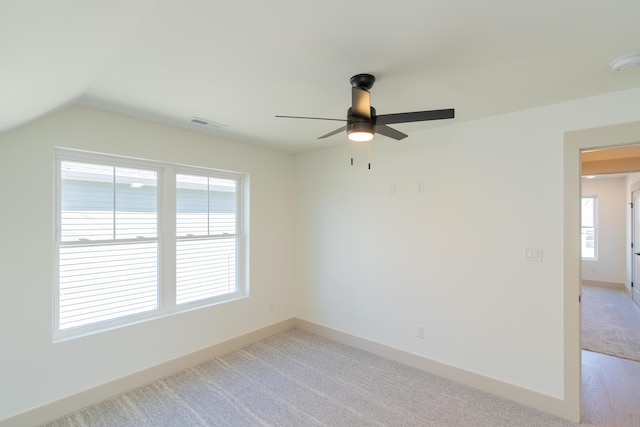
[
  {"x": 594, "y": 227},
  {"x": 166, "y": 237}
]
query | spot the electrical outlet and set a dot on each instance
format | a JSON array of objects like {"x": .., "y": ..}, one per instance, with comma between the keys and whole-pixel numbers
[
  {"x": 420, "y": 187},
  {"x": 271, "y": 306},
  {"x": 419, "y": 331}
]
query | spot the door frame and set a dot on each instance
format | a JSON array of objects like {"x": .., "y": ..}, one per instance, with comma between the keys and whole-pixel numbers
[
  {"x": 574, "y": 143},
  {"x": 635, "y": 246}
]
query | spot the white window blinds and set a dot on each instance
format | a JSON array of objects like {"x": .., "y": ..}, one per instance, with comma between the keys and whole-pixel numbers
[
  {"x": 108, "y": 246},
  {"x": 206, "y": 237}
]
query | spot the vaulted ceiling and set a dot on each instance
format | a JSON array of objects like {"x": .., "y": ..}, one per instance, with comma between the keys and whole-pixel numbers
[{"x": 239, "y": 63}]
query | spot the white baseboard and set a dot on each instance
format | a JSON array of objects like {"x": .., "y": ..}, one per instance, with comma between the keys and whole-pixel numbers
[
  {"x": 97, "y": 394},
  {"x": 530, "y": 398},
  {"x": 602, "y": 284},
  {"x": 66, "y": 405}
]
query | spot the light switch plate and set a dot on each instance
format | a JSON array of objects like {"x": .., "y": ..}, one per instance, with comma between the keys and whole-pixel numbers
[{"x": 533, "y": 253}]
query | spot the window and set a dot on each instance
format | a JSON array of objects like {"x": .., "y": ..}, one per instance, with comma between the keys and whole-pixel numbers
[
  {"x": 589, "y": 230},
  {"x": 206, "y": 238},
  {"x": 108, "y": 251},
  {"x": 140, "y": 239}
]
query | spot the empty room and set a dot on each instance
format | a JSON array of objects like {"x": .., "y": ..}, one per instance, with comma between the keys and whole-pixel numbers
[{"x": 303, "y": 213}]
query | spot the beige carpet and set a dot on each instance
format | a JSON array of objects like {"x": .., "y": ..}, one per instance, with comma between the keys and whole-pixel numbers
[
  {"x": 299, "y": 379},
  {"x": 610, "y": 322}
]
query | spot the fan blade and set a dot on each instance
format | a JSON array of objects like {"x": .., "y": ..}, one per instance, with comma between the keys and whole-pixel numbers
[
  {"x": 390, "y": 132},
  {"x": 342, "y": 129},
  {"x": 361, "y": 103},
  {"x": 416, "y": 116},
  {"x": 310, "y": 118}
]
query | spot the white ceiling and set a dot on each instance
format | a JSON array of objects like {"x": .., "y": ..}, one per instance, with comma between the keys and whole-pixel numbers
[{"x": 240, "y": 63}]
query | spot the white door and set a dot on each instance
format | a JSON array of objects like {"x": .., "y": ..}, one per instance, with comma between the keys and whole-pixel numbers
[{"x": 635, "y": 290}]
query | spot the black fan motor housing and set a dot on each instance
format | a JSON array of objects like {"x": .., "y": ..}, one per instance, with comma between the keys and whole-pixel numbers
[{"x": 363, "y": 81}]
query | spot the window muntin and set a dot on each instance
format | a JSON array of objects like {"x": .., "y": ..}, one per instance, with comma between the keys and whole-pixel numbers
[
  {"x": 135, "y": 240},
  {"x": 589, "y": 242}
]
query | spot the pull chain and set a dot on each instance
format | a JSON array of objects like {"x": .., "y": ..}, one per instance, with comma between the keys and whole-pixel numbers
[
  {"x": 351, "y": 142},
  {"x": 368, "y": 153}
]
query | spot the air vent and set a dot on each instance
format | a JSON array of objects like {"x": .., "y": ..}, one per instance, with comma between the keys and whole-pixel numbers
[{"x": 205, "y": 122}]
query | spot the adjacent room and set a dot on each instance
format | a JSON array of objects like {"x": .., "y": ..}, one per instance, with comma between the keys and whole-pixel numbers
[
  {"x": 610, "y": 277},
  {"x": 295, "y": 213}
]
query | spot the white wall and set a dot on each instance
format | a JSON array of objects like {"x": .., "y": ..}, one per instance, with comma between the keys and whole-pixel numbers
[
  {"x": 610, "y": 265},
  {"x": 633, "y": 178},
  {"x": 368, "y": 263},
  {"x": 376, "y": 265},
  {"x": 33, "y": 371}
]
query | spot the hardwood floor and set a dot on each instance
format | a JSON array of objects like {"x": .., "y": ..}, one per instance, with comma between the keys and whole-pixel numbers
[{"x": 610, "y": 391}]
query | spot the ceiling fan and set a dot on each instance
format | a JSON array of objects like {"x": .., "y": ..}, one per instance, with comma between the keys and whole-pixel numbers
[{"x": 362, "y": 121}]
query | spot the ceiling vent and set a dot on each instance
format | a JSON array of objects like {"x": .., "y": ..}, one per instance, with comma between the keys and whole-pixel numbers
[{"x": 205, "y": 122}]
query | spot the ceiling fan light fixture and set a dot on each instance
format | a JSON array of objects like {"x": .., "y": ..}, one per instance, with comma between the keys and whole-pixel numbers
[
  {"x": 360, "y": 131},
  {"x": 363, "y": 123},
  {"x": 360, "y": 136}
]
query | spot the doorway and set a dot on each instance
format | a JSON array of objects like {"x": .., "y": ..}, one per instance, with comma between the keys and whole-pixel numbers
[
  {"x": 574, "y": 143},
  {"x": 635, "y": 264}
]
